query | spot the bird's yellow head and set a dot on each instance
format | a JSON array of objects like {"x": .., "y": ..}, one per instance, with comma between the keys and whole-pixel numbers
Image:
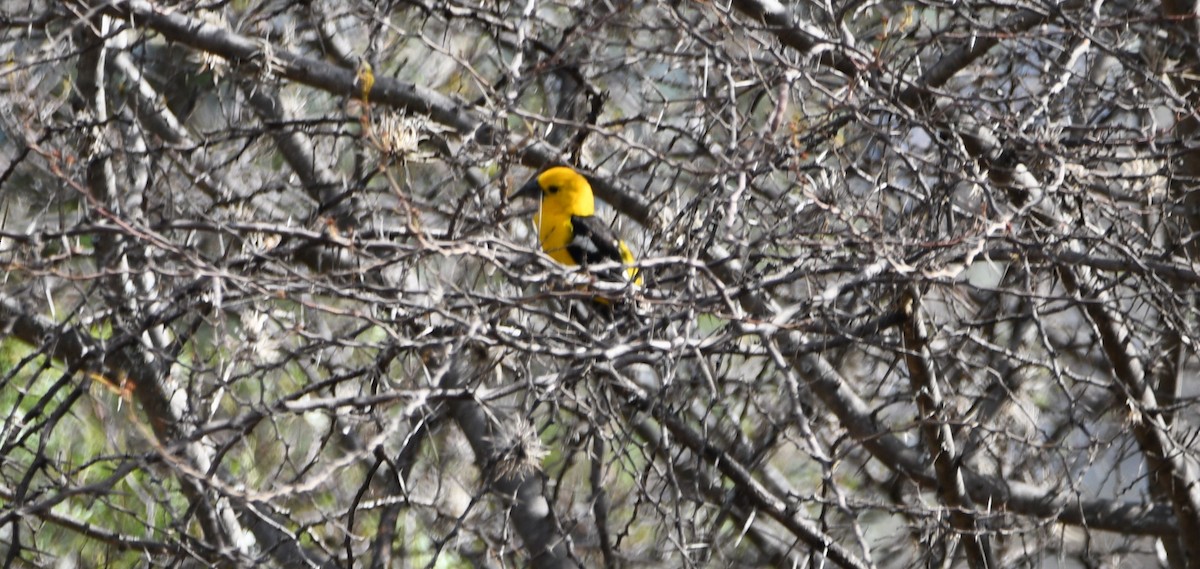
[{"x": 563, "y": 192}]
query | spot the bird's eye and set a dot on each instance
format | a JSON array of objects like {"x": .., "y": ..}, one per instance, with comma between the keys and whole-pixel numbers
[{"x": 552, "y": 189}]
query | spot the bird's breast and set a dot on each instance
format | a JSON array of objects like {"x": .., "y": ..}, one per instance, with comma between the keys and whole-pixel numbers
[{"x": 554, "y": 236}]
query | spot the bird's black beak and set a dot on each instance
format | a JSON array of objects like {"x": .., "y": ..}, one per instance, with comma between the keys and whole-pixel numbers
[{"x": 531, "y": 189}]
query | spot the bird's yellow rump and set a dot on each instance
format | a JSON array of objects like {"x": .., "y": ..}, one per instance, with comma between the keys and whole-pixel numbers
[{"x": 567, "y": 227}]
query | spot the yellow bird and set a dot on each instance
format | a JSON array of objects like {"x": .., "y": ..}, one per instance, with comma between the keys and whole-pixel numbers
[{"x": 567, "y": 227}]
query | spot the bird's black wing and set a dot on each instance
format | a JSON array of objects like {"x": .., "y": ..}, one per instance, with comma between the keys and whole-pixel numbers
[{"x": 593, "y": 242}]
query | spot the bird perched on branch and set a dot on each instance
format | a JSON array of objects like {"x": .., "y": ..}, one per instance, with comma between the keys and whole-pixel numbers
[{"x": 568, "y": 229}]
